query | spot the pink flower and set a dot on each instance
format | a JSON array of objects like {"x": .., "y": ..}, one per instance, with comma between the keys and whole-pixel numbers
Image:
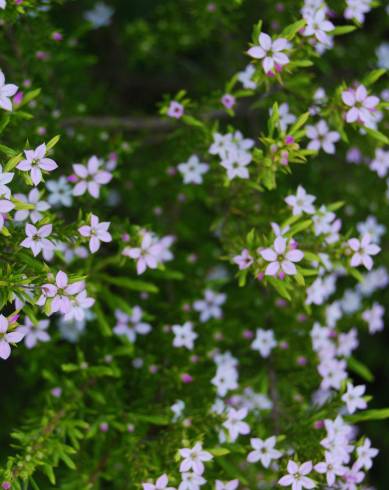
[
  {"x": 147, "y": 255},
  {"x": 90, "y": 177},
  {"x": 353, "y": 398},
  {"x": 280, "y": 258},
  {"x": 270, "y": 51},
  {"x": 97, "y": 232},
  {"x": 35, "y": 162},
  {"x": 7, "y": 337},
  {"x": 79, "y": 304},
  {"x": 363, "y": 249},
  {"x": 6, "y": 92},
  {"x": 361, "y": 104},
  {"x": 318, "y": 26},
  {"x": 244, "y": 260},
  {"x": 36, "y": 238},
  {"x": 296, "y": 477},
  {"x": 175, "y": 110}
]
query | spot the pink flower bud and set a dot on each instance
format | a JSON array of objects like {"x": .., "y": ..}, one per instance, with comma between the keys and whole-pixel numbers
[
  {"x": 281, "y": 275},
  {"x": 228, "y": 101},
  {"x": 283, "y": 345},
  {"x": 56, "y": 36},
  {"x": 248, "y": 334},
  {"x": 72, "y": 178},
  {"x": 6, "y": 485},
  {"x": 104, "y": 427},
  {"x": 56, "y": 392},
  {"x": 186, "y": 378},
  {"x": 18, "y": 98},
  {"x": 302, "y": 361},
  {"x": 126, "y": 237},
  {"x": 260, "y": 276},
  {"x": 318, "y": 424},
  {"x": 289, "y": 140}
]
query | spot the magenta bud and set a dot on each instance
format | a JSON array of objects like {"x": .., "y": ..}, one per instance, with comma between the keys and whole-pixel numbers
[
  {"x": 72, "y": 178},
  {"x": 171, "y": 171},
  {"x": 302, "y": 361},
  {"x": 248, "y": 334},
  {"x": 281, "y": 303},
  {"x": 186, "y": 378},
  {"x": 153, "y": 369},
  {"x": 6, "y": 485},
  {"x": 293, "y": 244},
  {"x": 319, "y": 424},
  {"x": 56, "y": 392},
  {"x": 301, "y": 317},
  {"x": 126, "y": 237},
  {"x": 14, "y": 318},
  {"x": 194, "y": 359},
  {"x": 56, "y": 36},
  {"x": 104, "y": 427},
  {"x": 289, "y": 140},
  {"x": 283, "y": 345},
  {"x": 280, "y": 7},
  {"x": 18, "y": 98},
  {"x": 281, "y": 275},
  {"x": 260, "y": 276}
]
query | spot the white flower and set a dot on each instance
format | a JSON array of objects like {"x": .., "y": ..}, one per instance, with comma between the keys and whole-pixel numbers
[
  {"x": 160, "y": 484},
  {"x": 296, "y": 477},
  {"x": 34, "y": 214},
  {"x": 301, "y": 202},
  {"x": 184, "y": 335},
  {"x": 353, "y": 398},
  {"x": 3, "y": 4},
  {"x": 234, "y": 423},
  {"x": 191, "y": 481},
  {"x": 322, "y": 137},
  {"x": 5, "y": 178},
  {"x": 60, "y": 192},
  {"x": 37, "y": 238},
  {"x": 363, "y": 249},
  {"x": 281, "y": 258},
  {"x": 193, "y": 459},
  {"x": 100, "y": 15},
  {"x": 365, "y": 454},
  {"x": 271, "y": 52},
  {"x": 235, "y": 162},
  {"x": 209, "y": 307},
  {"x": 6, "y": 91},
  {"x": 193, "y": 170},
  {"x": 177, "y": 408},
  {"x": 264, "y": 342},
  {"x": 318, "y": 26},
  {"x": 34, "y": 333},
  {"x": 97, "y": 232},
  {"x": 380, "y": 163},
  {"x": 264, "y": 451},
  {"x": 331, "y": 467},
  {"x": 372, "y": 227},
  {"x": 35, "y": 162},
  {"x": 362, "y": 104},
  {"x": 228, "y": 485},
  {"x": 245, "y": 77},
  {"x": 131, "y": 325}
]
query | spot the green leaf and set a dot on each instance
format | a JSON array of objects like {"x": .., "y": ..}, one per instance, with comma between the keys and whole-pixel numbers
[
  {"x": 105, "y": 327},
  {"x": 360, "y": 369},
  {"x": 133, "y": 284},
  {"x": 152, "y": 419},
  {"x": 378, "y": 414},
  {"x": 299, "y": 123},
  {"x": 219, "y": 451},
  {"x": 53, "y": 142},
  {"x": 373, "y": 76},
  {"x": 9, "y": 152},
  {"x": 49, "y": 472},
  {"x": 290, "y": 31},
  {"x": 341, "y": 30},
  {"x": 377, "y": 135},
  {"x": 280, "y": 287},
  {"x": 298, "y": 227}
]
